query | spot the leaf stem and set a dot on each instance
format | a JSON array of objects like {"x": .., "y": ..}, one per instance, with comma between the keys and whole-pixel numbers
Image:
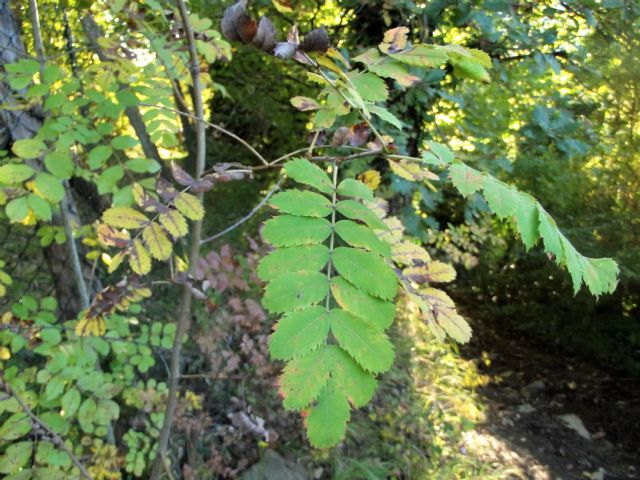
[{"x": 333, "y": 231}]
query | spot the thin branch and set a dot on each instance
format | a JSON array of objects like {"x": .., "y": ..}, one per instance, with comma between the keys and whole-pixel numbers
[
  {"x": 184, "y": 318},
  {"x": 56, "y": 439},
  {"x": 246, "y": 217},
  {"x": 211, "y": 125}
]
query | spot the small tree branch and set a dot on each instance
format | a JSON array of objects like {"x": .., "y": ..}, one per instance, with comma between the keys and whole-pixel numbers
[
  {"x": 246, "y": 217},
  {"x": 56, "y": 439},
  {"x": 184, "y": 317}
]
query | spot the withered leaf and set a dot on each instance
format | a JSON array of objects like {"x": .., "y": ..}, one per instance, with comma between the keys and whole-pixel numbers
[
  {"x": 394, "y": 40},
  {"x": 265, "y": 38},
  {"x": 317, "y": 40},
  {"x": 165, "y": 190},
  {"x": 180, "y": 176},
  {"x": 236, "y": 20},
  {"x": 112, "y": 236}
]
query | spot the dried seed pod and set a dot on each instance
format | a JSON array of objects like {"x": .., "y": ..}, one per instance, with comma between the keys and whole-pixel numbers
[
  {"x": 265, "y": 38},
  {"x": 317, "y": 40},
  {"x": 230, "y": 19},
  {"x": 236, "y": 25}
]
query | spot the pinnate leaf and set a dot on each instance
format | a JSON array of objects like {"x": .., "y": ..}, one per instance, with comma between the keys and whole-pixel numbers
[
  {"x": 174, "y": 222},
  {"x": 370, "y": 87},
  {"x": 304, "y": 378},
  {"x": 435, "y": 271},
  {"x": 15, "y": 173},
  {"x": 466, "y": 179}
]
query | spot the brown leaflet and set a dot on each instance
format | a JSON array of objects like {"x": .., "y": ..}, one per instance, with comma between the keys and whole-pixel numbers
[
  {"x": 394, "y": 40},
  {"x": 165, "y": 190},
  {"x": 113, "y": 237}
]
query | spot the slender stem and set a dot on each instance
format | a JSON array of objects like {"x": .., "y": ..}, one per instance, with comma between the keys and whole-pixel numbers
[
  {"x": 200, "y": 120},
  {"x": 313, "y": 143},
  {"x": 333, "y": 231},
  {"x": 56, "y": 439},
  {"x": 194, "y": 253},
  {"x": 73, "y": 252},
  {"x": 246, "y": 217}
]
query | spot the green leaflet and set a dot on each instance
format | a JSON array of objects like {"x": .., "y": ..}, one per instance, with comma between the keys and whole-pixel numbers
[
  {"x": 303, "y": 171},
  {"x": 361, "y": 236},
  {"x": 15, "y": 173},
  {"x": 292, "y": 291},
  {"x": 298, "y": 333},
  {"x": 293, "y": 259},
  {"x": 287, "y": 230},
  {"x": 369, "y": 346},
  {"x": 327, "y": 420},
  {"x": 350, "y": 187},
  {"x": 373, "y": 310},
  {"x": 304, "y": 378},
  {"x": 298, "y": 202},
  {"x": 370, "y": 87},
  {"x": 357, "y": 211},
  {"x": 367, "y": 271},
  {"x": 466, "y": 179}
]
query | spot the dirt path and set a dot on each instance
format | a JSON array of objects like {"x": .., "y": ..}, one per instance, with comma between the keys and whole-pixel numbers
[{"x": 551, "y": 415}]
